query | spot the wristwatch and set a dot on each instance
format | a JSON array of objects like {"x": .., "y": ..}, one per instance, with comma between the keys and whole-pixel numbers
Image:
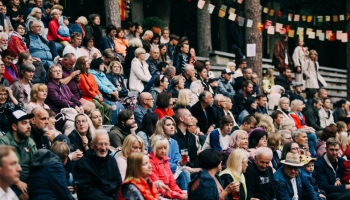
[
  {"x": 213, "y": 125},
  {"x": 337, "y": 179}
]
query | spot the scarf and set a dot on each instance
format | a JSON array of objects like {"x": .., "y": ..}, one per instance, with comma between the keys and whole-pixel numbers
[{"x": 241, "y": 179}]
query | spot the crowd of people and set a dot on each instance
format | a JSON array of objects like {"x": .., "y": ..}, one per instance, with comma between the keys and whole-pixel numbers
[{"x": 177, "y": 130}]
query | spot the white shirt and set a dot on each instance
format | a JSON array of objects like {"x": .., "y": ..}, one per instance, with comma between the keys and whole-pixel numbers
[
  {"x": 70, "y": 49},
  {"x": 9, "y": 195},
  {"x": 295, "y": 189},
  {"x": 211, "y": 74}
]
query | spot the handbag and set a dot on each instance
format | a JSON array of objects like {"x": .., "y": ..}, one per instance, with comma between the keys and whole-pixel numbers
[{"x": 109, "y": 97}]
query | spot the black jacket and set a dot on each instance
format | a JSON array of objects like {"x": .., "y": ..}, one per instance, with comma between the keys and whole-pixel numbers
[
  {"x": 203, "y": 122},
  {"x": 312, "y": 118},
  {"x": 97, "y": 177},
  {"x": 77, "y": 142},
  {"x": 283, "y": 81},
  {"x": 294, "y": 96},
  {"x": 227, "y": 179},
  {"x": 218, "y": 114},
  {"x": 187, "y": 141},
  {"x": 41, "y": 141},
  {"x": 48, "y": 178}
]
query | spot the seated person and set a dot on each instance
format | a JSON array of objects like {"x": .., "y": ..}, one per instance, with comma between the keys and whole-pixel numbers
[
  {"x": 11, "y": 72},
  {"x": 53, "y": 35},
  {"x": 87, "y": 49},
  {"x": 219, "y": 138},
  {"x": 21, "y": 88},
  {"x": 63, "y": 28}
]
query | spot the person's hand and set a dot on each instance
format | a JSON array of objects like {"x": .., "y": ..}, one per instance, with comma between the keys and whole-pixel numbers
[
  {"x": 50, "y": 134},
  {"x": 85, "y": 141},
  {"x": 9, "y": 91},
  {"x": 71, "y": 189},
  {"x": 184, "y": 197},
  {"x": 189, "y": 169},
  {"x": 115, "y": 94},
  {"x": 210, "y": 129},
  {"x": 161, "y": 185},
  {"x": 198, "y": 131},
  {"x": 74, "y": 73},
  {"x": 36, "y": 59},
  {"x": 100, "y": 98},
  {"x": 298, "y": 69},
  {"x": 81, "y": 109},
  {"x": 94, "y": 56},
  {"x": 188, "y": 160},
  {"x": 22, "y": 186},
  {"x": 193, "y": 78},
  {"x": 133, "y": 128},
  {"x": 337, "y": 183},
  {"x": 23, "y": 196},
  {"x": 76, "y": 155},
  {"x": 322, "y": 196},
  {"x": 233, "y": 186}
]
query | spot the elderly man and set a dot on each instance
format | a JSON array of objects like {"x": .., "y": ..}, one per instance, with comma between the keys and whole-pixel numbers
[
  {"x": 9, "y": 171},
  {"x": 3, "y": 41},
  {"x": 152, "y": 60},
  {"x": 41, "y": 136},
  {"x": 300, "y": 137},
  {"x": 289, "y": 184},
  {"x": 189, "y": 74},
  {"x": 146, "y": 38},
  {"x": 25, "y": 147},
  {"x": 259, "y": 173},
  {"x": 218, "y": 107},
  {"x": 145, "y": 105},
  {"x": 225, "y": 86},
  {"x": 74, "y": 45},
  {"x": 97, "y": 174}
]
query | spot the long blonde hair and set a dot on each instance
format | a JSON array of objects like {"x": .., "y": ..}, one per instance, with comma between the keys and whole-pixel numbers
[
  {"x": 235, "y": 160},
  {"x": 128, "y": 142},
  {"x": 267, "y": 123},
  {"x": 184, "y": 97},
  {"x": 134, "y": 166}
]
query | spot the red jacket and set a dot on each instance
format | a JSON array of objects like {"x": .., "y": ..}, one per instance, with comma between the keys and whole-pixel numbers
[
  {"x": 17, "y": 45},
  {"x": 346, "y": 175},
  {"x": 52, "y": 35},
  {"x": 297, "y": 120},
  {"x": 148, "y": 193},
  {"x": 162, "y": 112},
  {"x": 161, "y": 172}
]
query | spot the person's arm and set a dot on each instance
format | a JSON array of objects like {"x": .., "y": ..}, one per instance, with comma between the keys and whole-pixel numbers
[
  {"x": 308, "y": 188},
  {"x": 54, "y": 32},
  {"x": 280, "y": 190},
  {"x": 104, "y": 84},
  {"x": 59, "y": 182},
  {"x": 250, "y": 184},
  {"x": 215, "y": 140},
  {"x": 222, "y": 90},
  {"x": 142, "y": 74},
  {"x": 6, "y": 27},
  {"x": 306, "y": 68},
  {"x": 58, "y": 99},
  {"x": 322, "y": 180},
  {"x": 86, "y": 87},
  {"x": 115, "y": 139},
  {"x": 311, "y": 119}
]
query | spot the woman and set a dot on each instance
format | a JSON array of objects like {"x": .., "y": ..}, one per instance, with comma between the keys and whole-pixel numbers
[
  {"x": 94, "y": 29},
  {"x": 164, "y": 104},
  {"x": 177, "y": 84},
  {"x": 219, "y": 138},
  {"x": 161, "y": 172},
  {"x": 193, "y": 58},
  {"x": 207, "y": 185},
  {"x": 155, "y": 40},
  {"x": 96, "y": 118},
  {"x": 134, "y": 44},
  {"x": 21, "y": 88},
  {"x": 274, "y": 142},
  {"x": 11, "y": 71},
  {"x": 8, "y": 104},
  {"x": 163, "y": 57},
  {"x": 237, "y": 164},
  {"x": 115, "y": 76},
  {"x": 257, "y": 138},
  {"x": 196, "y": 88},
  {"x": 89, "y": 88},
  {"x": 53, "y": 35},
  {"x": 313, "y": 80},
  {"x": 160, "y": 85},
  {"x": 300, "y": 56},
  {"x": 137, "y": 184},
  {"x": 265, "y": 124},
  {"x": 107, "y": 89},
  {"x": 83, "y": 133},
  {"x": 139, "y": 73},
  {"x": 147, "y": 128},
  {"x": 107, "y": 42},
  {"x": 238, "y": 140},
  {"x": 38, "y": 96},
  {"x": 132, "y": 143},
  {"x": 89, "y": 50},
  {"x": 36, "y": 14},
  {"x": 268, "y": 81},
  {"x": 184, "y": 99},
  {"x": 17, "y": 42},
  {"x": 3, "y": 80},
  {"x": 202, "y": 75},
  {"x": 165, "y": 36},
  {"x": 52, "y": 121},
  {"x": 121, "y": 44},
  {"x": 292, "y": 147},
  {"x": 297, "y": 107},
  {"x": 79, "y": 25},
  {"x": 281, "y": 58},
  {"x": 48, "y": 177},
  {"x": 330, "y": 131},
  {"x": 15, "y": 12},
  {"x": 250, "y": 109}
]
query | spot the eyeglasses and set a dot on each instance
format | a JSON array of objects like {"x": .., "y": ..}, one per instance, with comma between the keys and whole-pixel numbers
[
  {"x": 295, "y": 148},
  {"x": 80, "y": 122},
  {"x": 100, "y": 144},
  {"x": 3, "y": 94},
  {"x": 150, "y": 99}
]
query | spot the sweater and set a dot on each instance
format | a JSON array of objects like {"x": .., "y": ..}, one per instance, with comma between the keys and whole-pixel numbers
[
  {"x": 162, "y": 112},
  {"x": 88, "y": 86},
  {"x": 60, "y": 96}
]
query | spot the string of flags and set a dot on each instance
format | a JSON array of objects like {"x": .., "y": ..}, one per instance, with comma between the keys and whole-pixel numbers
[{"x": 275, "y": 27}]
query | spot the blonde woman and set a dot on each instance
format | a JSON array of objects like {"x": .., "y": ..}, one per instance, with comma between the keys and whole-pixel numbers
[
  {"x": 237, "y": 164},
  {"x": 38, "y": 96},
  {"x": 115, "y": 75},
  {"x": 268, "y": 81},
  {"x": 131, "y": 144},
  {"x": 184, "y": 99},
  {"x": 265, "y": 124},
  {"x": 178, "y": 83},
  {"x": 96, "y": 118},
  {"x": 314, "y": 80},
  {"x": 300, "y": 56},
  {"x": 343, "y": 136}
]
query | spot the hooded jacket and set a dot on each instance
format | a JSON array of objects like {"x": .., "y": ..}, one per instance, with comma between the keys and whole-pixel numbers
[
  {"x": 62, "y": 29},
  {"x": 117, "y": 135},
  {"x": 48, "y": 177}
]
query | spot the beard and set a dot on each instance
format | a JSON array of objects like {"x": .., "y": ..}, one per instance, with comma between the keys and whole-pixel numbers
[
  {"x": 3, "y": 47},
  {"x": 23, "y": 135}
]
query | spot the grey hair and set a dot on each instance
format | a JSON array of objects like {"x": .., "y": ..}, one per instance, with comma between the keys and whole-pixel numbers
[
  {"x": 263, "y": 151},
  {"x": 135, "y": 42},
  {"x": 99, "y": 132},
  {"x": 27, "y": 67},
  {"x": 284, "y": 132},
  {"x": 218, "y": 97},
  {"x": 3, "y": 34},
  {"x": 188, "y": 67},
  {"x": 196, "y": 87},
  {"x": 169, "y": 70},
  {"x": 296, "y": 133},
  {"x": 139, "y": 51},
  {"x": 154, "y": 49}
]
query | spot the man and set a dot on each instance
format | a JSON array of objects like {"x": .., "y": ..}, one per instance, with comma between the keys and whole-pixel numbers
[
  {"x": 182, "y": 58},
  {"x": 247, "y": 75},
  {"x": 225, "y": 86},
  {"x": 68, "y": 74},
  {"x": 261, "y": 100},
  {"x": 297, "y": 90},
  {"x": 312, "y": 117},
  {"x": 152, "y": 60},
  {"x": 213, "y": 85},
  {"x": 3, "y": 41},
  {"x": 125, "y": 127},
  {"x": 37, "y": 45},
  {"x": 248, "y": 123},
  {"x": 289, "y": 184},
  {"x": 41, "y": 136},
  {"x": 322, "y": 93},
  {"x": 74, "y": 45},
  {"x": 240, "y": 98},
  {"x": 255, "y": 80},
  {"x": 300, "y": 137},
  {"x": 9, "y": 171},
  {"x": 108, "y": 56},
  {"x": 342, "y": 108},
  {"x": 129, "y": 29},
  {"x": 97, "y": 174},
  {"x": 170, "y": 73},
  {"x": 3, "y": 22},
  {"x": 145, "y": 39},
  {"x": 218, "y": 107},
  {"x": 171, "y": 46},
  {"x": 329, "y": 170},
  {"x": 207, "y": 66},
  {"x": 138, "y": 30},
  {"x": 325, "y": 113},
  {"x": 204, "y": 112},
  {"x": 277, "y": 117},
  {"x": 259, "y": 175},
  {"x": 236, "y": 36},
  {"x": 242, "y": 63},
  {"x": 189, "y": 74},
  {"x": 25, "y": 147},
  {"x": 145, "y": 105},
  {"x": 285, "y": 80}
]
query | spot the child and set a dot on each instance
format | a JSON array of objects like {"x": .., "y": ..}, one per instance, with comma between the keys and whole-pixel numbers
[
  {"x": 342, "y": 137},
  {"x": 63, "y": 29},
  {"x": 346, "y": 175},
  {"x": 307, "y": 171}
]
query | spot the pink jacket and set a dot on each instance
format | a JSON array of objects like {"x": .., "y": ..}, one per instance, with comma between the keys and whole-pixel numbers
[{"x": 161, "y": 172}]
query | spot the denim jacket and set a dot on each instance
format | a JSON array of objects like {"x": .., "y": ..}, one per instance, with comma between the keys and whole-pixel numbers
[
  {"x": 225, "y": 88},
  {"x": 207, "y": 188},
  {"x": 284, "y": 189}
]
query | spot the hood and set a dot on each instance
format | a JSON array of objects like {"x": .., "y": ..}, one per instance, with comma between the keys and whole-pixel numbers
[
  {"x": 155, "y": 89},
  {"x": 30, "y": 18},
  {"x": 60, "y": 21},
  {"x": 44, "y": 157}
]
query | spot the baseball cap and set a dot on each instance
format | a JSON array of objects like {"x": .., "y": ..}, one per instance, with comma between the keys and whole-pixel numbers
[
  {"x": 226, "y": 71},
  {"x": 212, "y": 80},
  {"x": 19, "y": 115},
  {"x": 65, "y": 139},
  {"x": 297, "y": 84}
]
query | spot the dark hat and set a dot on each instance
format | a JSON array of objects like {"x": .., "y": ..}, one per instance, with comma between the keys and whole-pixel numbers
[
  {"x": 65, "y": 139},
  {"x": 213, "y": 80},
  {"x": 227, "y": 71},
  {"x": 65, "y": 17},
  {"x": 297, "y": 84},
  {"x": 19, "y": 115},
  {"x": 47, "y": 5}
]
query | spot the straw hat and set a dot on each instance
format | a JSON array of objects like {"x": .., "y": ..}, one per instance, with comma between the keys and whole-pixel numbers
[{"x": 292, "y": 160}]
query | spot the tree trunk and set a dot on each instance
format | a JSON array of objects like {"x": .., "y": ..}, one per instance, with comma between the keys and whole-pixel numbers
[
  {"x": 348, "y": 51},
  {"x": 112, "y": 13},
  {"x": 254, "y": 36},
  {"x": 203, "y": 32},
  {"x": 164, "y": 13},
  {"x": 137, "y": 10}
]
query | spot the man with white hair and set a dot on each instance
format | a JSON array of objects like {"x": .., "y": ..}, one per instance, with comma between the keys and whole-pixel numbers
[
  {"x": 218, "y": 107},
  {"x": 153, "y": 60},
  {"x": 146, "y": 38},
  {"x": 97, "y": 173},
  {"x": 3, "y": 41},
  {"x": 189, "y": 74},
  {"x": 260, "y": 176}
]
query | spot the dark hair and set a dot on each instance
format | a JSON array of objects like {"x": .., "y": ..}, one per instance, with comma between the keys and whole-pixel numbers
[
  {"x": 227, "y": 119},
  {"x": 8, "y": 52},
  {"x": 74, "y": 35},
  {"x": 246, "y": 83},
  {"x": 209, "y": 159},
  {"x": 149, "y": 123},
  {"x": 332, "y": 142},
  {"x": 110, "y": 28},
  {"x": 248, "y": 103},
  {"x": 162, "y": 65},
  {"x": 51, "y": 112},
  {"x": 23, "y": 56},
  {"x": 260, "y": 96},
  {"x": 128, "y": 24},
  {"x": 155, "y": 35},
  {"x": 124, "y": 115},
  {"x": 340, "y": 103},
  {"x": 92, "y": 17},
  {"x": 249, "y": 119},
  {"x": 254, "y": 138},
  {"x": 311, "y": 93},
  {"x": 157, "y": 81},
  {"x": 182, "y": 40},
  {"x": 119, "y": 29},
  {"x": 87, "y": 39},
  {"x": 316, "y": 100},
  {"x": 328, "y": 132},
  {"x": 163, "y": 99},
  {"x": 286, "y": 149},
  {"x": 202, "y": 96},
  {"x": 275, "y": 114},
  {"x": 95, "y": 63},
  {"x": 19, "y": 24},
  {"x": 200, "y": 69},
  {"x": 174, "y": 37}
]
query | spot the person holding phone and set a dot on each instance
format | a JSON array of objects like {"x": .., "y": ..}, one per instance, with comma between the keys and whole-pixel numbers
[{"x": 15, "y": 12}]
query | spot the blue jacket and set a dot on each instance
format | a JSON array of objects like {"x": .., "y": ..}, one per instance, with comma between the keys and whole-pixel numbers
[
  {"x": 106, "y": 43},
  {"x": 325, "y": 176},
  {"x": 207, "y": 188},
  {"x": 225, "y": 88},
  {"x": 75, "y": 28},
  {"x": 104, "y": 85},
  {"x": 311, "y": 179},
  {"x": 173, "y": 154},
  {"x": 284, "y": 189}
]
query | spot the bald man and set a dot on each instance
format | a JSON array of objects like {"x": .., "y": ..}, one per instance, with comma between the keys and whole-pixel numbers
[
  {"x": 145, "y": 105},
  {"x": 41, "y": 136},
  {"x": 146, "y": 38},
  {"x": 153, "y": 60}
]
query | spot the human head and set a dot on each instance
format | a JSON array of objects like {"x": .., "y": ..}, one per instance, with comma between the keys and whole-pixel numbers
[
  {"x": 261, "y": 100},
  {"x": 138, "y": 166},
  {"x": 8, "y": 56},
  {"x": 248, "y": 87},
  {"x": 131, "y": 144},
  {"x": 69, "y": 60},
  {"x": 27, "y": 71},
  {"x": 263, "y": 156},
  {"x": 327, "y": 104},
  {"x": 39, "y": 91},
  {"x": 219, "y": 100},
  {"x": 100, "y": 143},
  {"x": 183, "y": 117},
  {"x": 120, "y": 33},
  {"x": 317, "y": 103},
  {"x": 164, "y": 100},
  {"x": 82, "y": 65},
  {"x": 286, "y": 136},
  {"x": 226, "y": 124},
  {"x": 20, "y": 124},
  {"x": 83, "y": 125},
  {"x": 296, "y": 105},
  {"x": 149, "y": 123},
  {"x": 40, "y": 119},
  {"x": 97, "y": 64},
  {"x": 184, "y": 98},
  {"x": 196, "y": 87},
  {"x": 178, "y": 82},
  {"x": 322, "y": 93},
  {"x": 3, "y": 41},
  {"x": 185, "y": 48},
  {"x": 209, "y": 159},
  {"x": 140, "y": 53},
  {"x": 82, "y": 20},
  {"x": 55, "y": 13},
  {"x": 308, "y": 162},
  {"x": 239, "y": 139},
  {"x": 155, "y": 39},
  {"x": 332, "y": 149},
  {"x": 154, "y": 53},
  {"x": 257, "y": 139},
  {"x": 226, "y": 74},
  {"x": 9, "y": 166},
  {"x": 55, "y": 72},
  {"x": 95, "y": 19},
  {"x": 96, "y": 118},
  {"x": 20, "y": 28},
  {"x": 160, "y": 146},
  {"x": 61, "y": 149},
  {"x": 248, "y": 123},
  {"x": 76, "y": 39},
  {"x": 115, "y": 67},
  {"x": 329, "y": 132},
  {"x": 126, "y": 118},
  {"x": 162, "y": 129},
  {"x": 39, "y": 3},
  {"x": 237, "y": 162},
  {"x": 274, "y": 141},
  {"x": 247, "y": 73},
  {"x": 300, "y": 137},
  {"x": 174, "y": 39},
  {"x": 313, "y": 55},
  {"x": 291, "y": 165},
  {"x": 284, "y": 103},
  {"x": 108, "y": 56},
  {"x": 146, "y": 100},
  {"x": 277, "y": 117},
  {"x": 189, "y": 70},
  {"x": 292, "y": 147},
  {"x": 206, "y": 98}
]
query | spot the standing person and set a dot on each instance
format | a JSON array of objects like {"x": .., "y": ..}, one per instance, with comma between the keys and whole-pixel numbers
[
  {"x": 94, "y": 29},
  {"x": 281, "y": 58},
  {"x": 237, "y": 40},
  {"x": 314, "y": 80},
  {"x": 15, "y": 12},
  {"x": 299, "y": 58},
  {"x": 171, "y": 46}
]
